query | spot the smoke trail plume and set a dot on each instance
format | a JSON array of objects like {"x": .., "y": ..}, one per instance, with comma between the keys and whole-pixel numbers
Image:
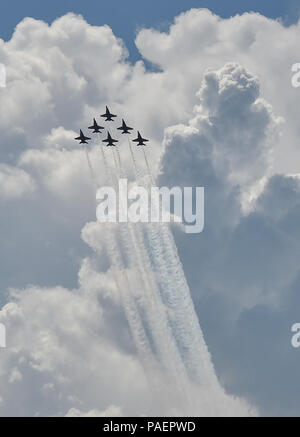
[{"x": 157, "y": 303}]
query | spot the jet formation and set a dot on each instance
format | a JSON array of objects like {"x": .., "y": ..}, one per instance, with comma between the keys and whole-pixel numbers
[{"x": 96, "y": 128}]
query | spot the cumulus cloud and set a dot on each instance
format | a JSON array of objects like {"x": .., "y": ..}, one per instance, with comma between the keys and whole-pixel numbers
[
  {"x": 68, "y": 340},
  {"x": 57, "y": 346},
  {"x": 15, "y": 182},
  {"x": 245, "y": 264},
  {"x": 198, "y": 40},
  {"x": 111, "y": 411}
]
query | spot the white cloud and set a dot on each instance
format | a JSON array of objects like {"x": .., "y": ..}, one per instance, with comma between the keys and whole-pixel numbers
[
  {"x": 57, "y": 346},
  {"x": 15, "y": 182},
  {"x": 111, "y": 411},
  {"x": 198, "y": 40},
  {"x": 243, "y": 270},
  {"x": 68, "y": 347}
]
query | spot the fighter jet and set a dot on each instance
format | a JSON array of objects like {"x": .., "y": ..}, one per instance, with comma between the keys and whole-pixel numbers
[
  {"x": 108, "y": 115},
  {"x": 96, "y": 128},
  {"x": 109, "y": 140},
  {"x": 125, "y": 128},
  {"x": 82, "y": 138},
  {"x": 140, "y": 140}
]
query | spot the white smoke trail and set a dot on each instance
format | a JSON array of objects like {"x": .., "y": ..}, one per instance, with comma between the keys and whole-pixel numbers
[
  {"x": 125, "y": 290},
  {"x": 91, "y": 170},
  {"x": 132, "y": 308},
  {"x": 162, "y": 301},
  {"x": 160, "y": 310},
  {"x": 164, "y": 282},
  {"x": 148, "y": 167},
  {"x": 176, "y": 294},
  {"x": 184, "y": 321},
  {"x": 134, "y": 321},
  {"x": 119, "y": 162},
  {"x": 135, "y": 166},
  {"x": 154, "y": 309}
]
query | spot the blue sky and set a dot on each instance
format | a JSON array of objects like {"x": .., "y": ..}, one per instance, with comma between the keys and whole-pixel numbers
[{"x": 126, "y": 17}]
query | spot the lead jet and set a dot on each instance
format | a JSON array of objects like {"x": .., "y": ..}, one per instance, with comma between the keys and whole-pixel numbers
[
  {"x": 83, "y": 139},
  {"x": 125, "y": 128},
  {"x": 108, "y": 115},
  {"x": 140, "y": 140},
  {"x": 109, "y": 140},
  {"x": 96, "y": 128}
]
